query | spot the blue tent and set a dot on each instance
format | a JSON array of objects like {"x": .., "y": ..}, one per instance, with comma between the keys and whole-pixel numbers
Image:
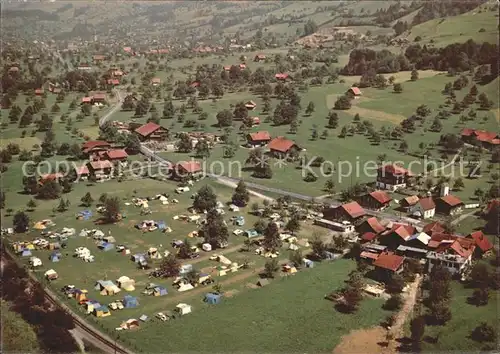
[
  {"x": 85, "y": 214},
  {"x": 55, "y": 256},
  {"x": 161, "y": 225},
  {"x": 26, "y": 253},
  {"x": 308, "y": 263},
  {"x": 251, "y": 233},
  {"x": 130, "y": 301},
  {"x": 138, "y": 257},
  {"x": 212, "y": 298},
  {"x": 239, "y": 221},
  {"x": 106, "y": 246},
  {"x": 159, "y": 291}
]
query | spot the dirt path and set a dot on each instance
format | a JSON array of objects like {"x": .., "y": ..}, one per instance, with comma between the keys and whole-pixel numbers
[{"x": 372, "y": 340}]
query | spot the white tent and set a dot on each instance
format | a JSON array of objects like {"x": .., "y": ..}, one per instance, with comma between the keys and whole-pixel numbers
[
  {"x": 185, "y": 287},
  {"x": 206, "y": 247},
  {"x": 183, "y": 309},
  {"x": 83, "y": 233},
  {"x": 68, "y": 231},
  {"x": 35, "y": 262}
]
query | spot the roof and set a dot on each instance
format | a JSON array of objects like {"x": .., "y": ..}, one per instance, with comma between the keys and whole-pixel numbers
[
  {"x": 394, "y": 170},
  {"x": 281, "y": 144},
  {"x": 375, "y": 224},
  {"x": 355, "y": 90},
  {"x": 433, "y": 227},
  {"x": 381, "y": 197},
  {"x": 451, "y": 200},
  {"x": 281, "y": 76},
  {"x": 369, "y": 236},
  {"x": 99, "y": 96},
  {"x": 189, "y": 166},
  {"x": 82, "y": 170},
  {"x": 250, "y": 103},
  {"x": 481, "y": 135},
  {"x": 261, "y": 56},
  {"x": 427, "y": 203},
  {"x": 113, "y": 82},
  {"x": 117, "y": 154},
  {"x": 94, "y": 143},
  {"x": 155, "y": 80},
  {"x": 86, "y": 99},
  {"x": 147, "y": 129},
  {"x": 481, "y": 241},
  {"x": 460, "y": 249},
  {"x": 422, "y": 237},
  {"x": 403, "y": 231},
  {"x": 101, "y": 164},
  {"x": 262, "y": 135},
  {"x": 353, "y": 209},
  {"x": 411, "y": 200},
  {"x": 389, "y": 261},
  {"x": 50, "y": 177},
  {"x": 370, "y": 255}
]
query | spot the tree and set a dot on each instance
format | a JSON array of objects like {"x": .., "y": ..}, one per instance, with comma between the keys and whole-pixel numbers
[
  {"x": 49, "y": 190},
  {"x": 329, "y": 187},
  {"x": 423, "y": 110},
  {"x": 112, "y": 209},
  {"x": 293, "y": 225},
  {"x": 272, "y": 240},
  {"x": 20, "y": 222},
  {"x": 439, "y": 295},
  {"x": 170, "y": 266},
  {"x": 417, "y": 327},
  {"x": 403, "y": 146},
  {"x": 480, "y": 276},
  {"x": 480, "y": 297},
  {"x": 215, "y": 230},
  {"x": 333, "y": 120},
  {"x": 87, "y": 200},
  {"x": 240, "y": 111},
  {"x": 296, "y": 258},
  {"x": 484, "y": 102},
  {"x": 260, "y": 226},
  {"x": 484, "y": 333},
  {"x": 63, "y": 205},
  {"x": 342, "y": 103},
  {"x": 205, "y": 199},
  {"x": 414, "y": 75},
  {"x": 241, "y": 196},
  {"x": 393, "y": 303},
  {"x": 225, "y": 118},
  {"x": 271, "y": 267},
  {"x": 184, "y": 143},
  {"x": 318, "y": 246},
  {"x": 458, "y": 184},
  {"x": 436, "y": 125},
  {"x": 31, "y": 205},
  {"x": 2, "y": 199},
  {"x": 202, "y": 149},
  {"x": 397, "y": 88},
  {"x": 395, "y": 284},
  {"x": 310, "y": 27},
  {"x": 310, "y": 108}
]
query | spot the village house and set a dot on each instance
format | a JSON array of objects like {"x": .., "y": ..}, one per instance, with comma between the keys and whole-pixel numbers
[
  {"x": 455, "y": 255},
  {"x": 481, "y": 137},
  {"x": 418, "y": 240},
  {"x": 93, "y": 146},
  {"x": 425, "y": 208},
  {"x": 114, "y": 82},
  {"x": 194, "y": 84},
  {"x": 281, "y": 147},
  {"x": 371, "y": 225},
  {"x": 98, "y": 58},
  {"x": 87, "y": 100},
  {"x": 377, "y": 200},
  {"x": 408, "y": 202},
  {"x": 392, "y": 177},
  {"x": 255, "y": 121},
  {"x": 114, "y": 155},
  {"x": 449, "y": 205},
  {"x": 281, "y": 76},
  {"x": 242, "y": 66},
  {"x": 39, "y": 92},
  {"x": 99, "y": 97},
  {"x": 84, "y": 67},
  {"x": 387, "y": 264},
  {"x": 82, "y": 173},
  {"x": 397, "y": 235},
  {"x": 100, "y": 169},
  {"x": 354, "y": 91},
  {"x": 483, "y": 245},
  {"x": 350, "y": 212},
  {"x": 433, "y": 228},
  {"x": 259, "y": 58},
  {"x": 250, "y": 105},
  {"x": 258, "y": 138},
  {"x": 155, "y": 81},
  {"x": 13, "y": 69},
  {"x": 187, "y": 169},
  {"x": 151, "y": 131},
  {"x": 115, "y": 73}
]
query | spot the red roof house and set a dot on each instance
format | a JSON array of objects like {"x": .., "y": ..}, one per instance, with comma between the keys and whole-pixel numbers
[
  {"x": 397, "y": 235},
  {"x": 95, "y": 145},
  {"x": 259, "y": 57},
  {"x": 187, "y": 169},
  {"x": 376, "y": 200},
  {"x": 281, "y": 146},
  {"x": 392, "y": 177},
  {"x": 39, "y": 91},
  {"x": 368, "y": 237},
  {"x": 371, "y": 225},
  {"x": 449, "y": 205},
  {"x": 433, "y": 227},
  {"x": 151, "y": 131},
  {"x": 114, "y": 82},
  {"x": 50, "y": 177},
  {"x": 486, "y": 138},
  {"x": 355, "y": 91},
  {"x": 483, "y": 245},
  {"x": 116, "y": 155},
  {"x": 350, "y": 211},
  {"x": 250, "y": 105},
  {"x": 99, "y": 97},
  {"x": 82, "y": 171},
  {"x": 281, "y": 76},
  {"x": 100, "y": 169},
  {"x": 258, "y": 138},
  {"x": 86, "y": 99},
  {"x": 389, "y": 262},
  {"x": 155, "y": 81},
  {"x": 99, "y": 57}
]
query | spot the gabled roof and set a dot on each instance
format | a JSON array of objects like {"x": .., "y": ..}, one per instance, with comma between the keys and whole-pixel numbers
[
  {"x": 451, "y": 200},
  {"x": 403, "y": 231},
  {"x": 99, "y": 96},
  {"x": 355, "y": 90},
  {"x": 394, "y": 170},
  {"x": 95, "y": 143},
  {"x": 147, "y": 129},
  {"x": 189, "y": 166},
  {"x": 353, "y": 209},
  {"x": 116, "y": 154},
  {"x": 427, "y": 203},
  {"x": 258, "y": 136},
  {"x": 369, "y": 255},
  {"x": 281, "y": 144},
  {"x": 375, "y": 224},
  {"x": 481, "y": 135},
  {"x": 389, "y": 261},
  {"x": 82, "y": 170},
  {"x": 281, "y": 76},
  {"x": 433, "y": 227},
  {"x": 411, "y": 200},
  {"x": 381, "y": 197},
  {"x": 369, "y": 236},
  {"x": 421, "y": 236},
  {"x": 481, "y": 241},
  {"x": 50, "y": 177},
  {"x": 155, "y": 80},
  {"x": 86, "y": 99}
]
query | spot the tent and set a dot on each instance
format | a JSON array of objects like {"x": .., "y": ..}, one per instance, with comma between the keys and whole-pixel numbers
[
  {"x": 84, "y": 215},
  {"x": 212, "y": 298},
  {"x": 138, "y": 257},
  {"x": 263, "y": 282},
  {"x": 106, "y": 246},
  {"x": 51, "y": 274},
  {"x": 54, "y": 257},
  {"x": 159, "y": 291},
  {"x": 109, "y": 239},
  {"x": 183, "y": 309},
  {"x": 126, "y": 283},
  {"x": 54, "y": 246},
  {"x": 26, "y": 253},
  {"x": 130, "y": 324},
  {"x": 83, "y": 233},
  {"x": 185, "y": 287},
  {"x": 102, "y": 311},
  {"x": 206, "y": 247},
  {"x": 239, "y": 221},
  {"x": 68, "y": 231},
  {"x": 161, "y": 225},
  {"x": 234, "y": 208},
  {"x": 251, "y": 233},
  {"x": 130, "y": 301},
  {"x": 80, "y": 295},
  {"x": 143, "y": 318},
  {"x": 35, "y": 262},
  {"x": 91, "y": 305},
  {"x": 186, "y": 268},
  {"x": 307, "y": 263}
]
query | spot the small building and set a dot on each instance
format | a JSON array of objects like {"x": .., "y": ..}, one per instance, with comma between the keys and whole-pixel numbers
[
  {"x": 99, "y": 58},
  {"x": 87, "y": 100},
  {"x": 350, "y": 211},
  {"x": 368, "y": 237},
  {"x": 392, "y": 177},
  {"x": 55, "y": 257},
  {"x": 94, "y": 146},
  {"x": 483, "y": 245},
  {"x": 51, "y": 274},
  {"x": 99, "y": 97},
  {"x": 259, "y": 58},
  {"x": 281, "y": 76},
  {"x": 433, "y": 228},
  {"x": 82, "y": 173},
  {"x": 371, "y": 225},
  {"x": 260, "y": 138},
  {"x": 115, "y": 155},
  {"x": 307, "y": 263},
  {"x": 39, "y": 92},
  {"x": 368, "y": 256},
  {"x": 408, "y": 202},
  {"x": 250, "y": 105},
  {"x": 281, "y": 147},
  {"x": 377, "y": 200},
  {"x": 354, "y": 91},
  {"x": 449, "y": 205},
  {"x": 411, "y": 252},
  {"x": 388, "y": 263},
  {"x": 483, "y": 138},
  {"x": 456, "y": 256},
  {"x": 425, "y": 208},
  {"x": 397, "y": 235},
  {"x": 344, "y": 227},
  {"x": 263, "y": 282},
  {"x": 187, "y": 169},
  {"x": 100, "y": 169},
  {"x": 239, "y": 220},
  {"x": 130, "y": 301},
  {"x": 155, "y": 81},
  {"x": 251, "y": 233},
  {"x": 152, "y": 131},
  {"x": 213, "y": 298},
  {"x": 50, "y": 177}
]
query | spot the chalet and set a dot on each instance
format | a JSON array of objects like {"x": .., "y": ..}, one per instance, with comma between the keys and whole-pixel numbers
[
  {"x": 455, "y": 255},
  {"x": 151, "y": 131},
  {"x": 127, "y": 49},
  {"x": 98, "y": 58},
  {"x": 392, "y": 177},
  {"x": 115, "y": 155},
  {"x": 39, "y": 92},
  {"x": 449, "y": 205},
  {"x": 92, "y": 146},
  {"x": 433, "y": 228},
  {"x": 481, "y": 137},
  {"x": 259, "y": 58},
  {"x": 281, "y": 147},
  {"x": 255, "y": 120},
  {"x": 187, "y": 169},
  {"x": 250, "y": 105},
  {"x": 377, "y": 200},
  {"x": 99, "y": 98},
  {"x": 259, "y": 138},
  {"x": 282, "y": 76},
  {"x": 351, "y": 211},
  {"x": 368, "y": 237},
  {"x": 114, "y": 82},
  {"x": 155, "y": 81},
  {"x": 483, "y": 245},
  {"x": 408, "y": 202},
  {"x": 387, "y": 264},
  {"x": 354, "y": 91},
  {"x": 397, "y": 235},
  {"x": 49, "y": 177},
  {"x": 425, "y": 208},
  {"x": 371, "y": 225},
  {"x": 227, "y": 68},
  {"x": 100, "y": 169}
]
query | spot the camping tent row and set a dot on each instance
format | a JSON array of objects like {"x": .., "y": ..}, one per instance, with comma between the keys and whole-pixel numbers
[
  {"x": 155, "y": 290},
  {"x": 107, "y": 287},
  {"x": 126, "y": 283},
  {"x": 62, "y": 235},
  {"x": 96, "y": 234},
  {"x": 151, "y": 225},
  {"x": 84, "y": 253}
]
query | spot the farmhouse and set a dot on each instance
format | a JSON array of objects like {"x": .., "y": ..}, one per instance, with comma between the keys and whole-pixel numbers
[
  {"x": 449, "y": 205},
  {"x": 187, "y": 169},
  {"x": 115, "y": 72},
  {"x": 250, "y": 105},
  {"x": 151, "y": 131},
  {"x": 392, "y": 177},
  {"x": 99, "y": 98},
  {"x": 433, "y": 228},
  {"x": 93, "y": 146},
  {"x": 377, "y": 200},
  {"x": 281, "y": 147},
  {"x": 82, "y": 172},
  {"x": 259, "y": 138},
  {"x": 114, "y": 82},
  {"x": 425, "y": 208},
  {"x": 86, "y": 100},
  {"x": 483, "y": 245},
  {"x": 455, "y": 255},
  {"x": 387, "y": 264},
  {"x": 371, "y": 225},
  {"x": 84, "y": 67},
  {"x": 115, "y": 155},
  {"x": 39, "y": 92},
  {"x": 408, "y": 202},
  {"x": 259, "y": 58},
  {"x": 49, "y": 177},
  {"x": 13, "y": 69},
  {"x": 100, "y": 169},
  {"x": 351, "y": 211},
  {"x": 484, "y": 138},
  {"x": 354, "y": 91},
  {"x": 418, "y": 240},
  {"x": 396, "y": 235}
]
